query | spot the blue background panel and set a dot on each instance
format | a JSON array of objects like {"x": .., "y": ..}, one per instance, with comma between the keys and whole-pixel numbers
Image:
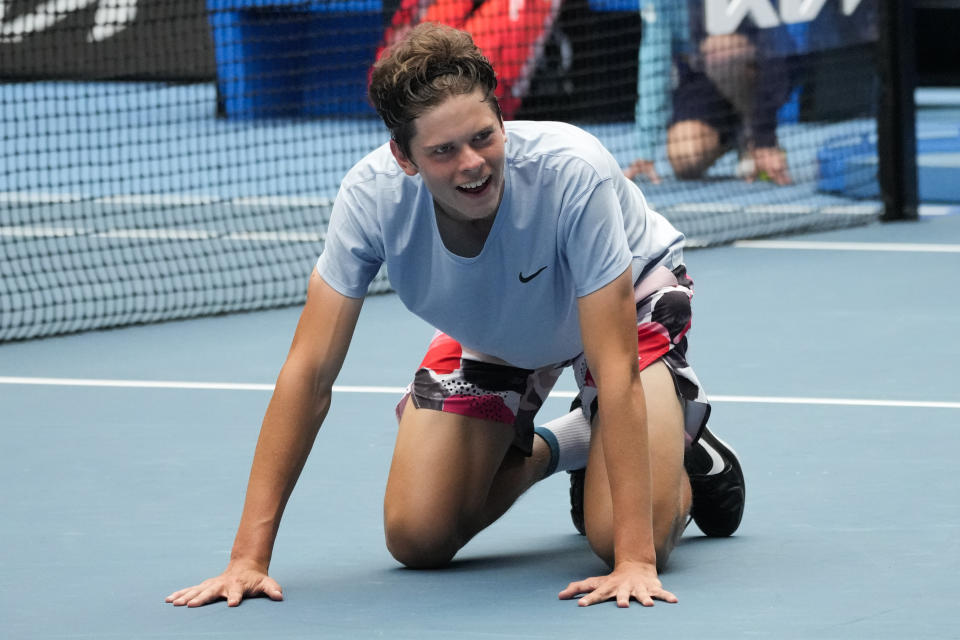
[{"x": 848, "y": 164}]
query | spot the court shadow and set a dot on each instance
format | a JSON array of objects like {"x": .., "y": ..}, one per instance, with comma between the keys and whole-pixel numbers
[
  {"x": 692, "y": 550},
  {"x": 567, "y": 553},
  {"x": 700, "y": 541},
  {"x": 562, "y": 553}
]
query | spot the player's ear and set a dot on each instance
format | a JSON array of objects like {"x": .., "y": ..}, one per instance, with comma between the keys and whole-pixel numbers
[{"x": 405, "y": 163}]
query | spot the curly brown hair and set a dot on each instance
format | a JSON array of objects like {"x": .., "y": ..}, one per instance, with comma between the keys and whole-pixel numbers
[{"x": 430, "y": 64}]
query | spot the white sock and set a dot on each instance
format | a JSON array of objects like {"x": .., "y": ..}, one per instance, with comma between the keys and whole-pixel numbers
[{"x": 569, "y": 440}]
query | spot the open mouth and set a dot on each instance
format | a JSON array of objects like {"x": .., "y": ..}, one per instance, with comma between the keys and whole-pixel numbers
[{"x": 474, "y": 188}]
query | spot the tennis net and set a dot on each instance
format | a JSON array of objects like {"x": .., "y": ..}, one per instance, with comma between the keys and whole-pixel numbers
[{"x": 179, "y": 158}]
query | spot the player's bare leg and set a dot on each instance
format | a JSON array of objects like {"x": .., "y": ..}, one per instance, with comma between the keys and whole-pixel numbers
[
  {"x": 670, "y": 485},
  {"x": 451, "y": 477}
]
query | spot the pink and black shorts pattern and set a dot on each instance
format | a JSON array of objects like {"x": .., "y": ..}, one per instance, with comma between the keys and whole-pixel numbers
[{"x": 455, "y": 379}]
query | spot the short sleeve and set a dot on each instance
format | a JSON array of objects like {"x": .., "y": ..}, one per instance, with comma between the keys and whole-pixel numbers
[
  {"x": 353, "y": 248},
  {"x": 594, "y": 240}
]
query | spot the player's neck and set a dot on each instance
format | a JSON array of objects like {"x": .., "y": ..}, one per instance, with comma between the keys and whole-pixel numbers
[{"x": 464, "y": 238}]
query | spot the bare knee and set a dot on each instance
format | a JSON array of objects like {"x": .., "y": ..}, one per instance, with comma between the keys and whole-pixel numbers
[
  {"x": 673, "y": 522},
  {"x": 669, "y": 521},
  {"x": 663, "y": 545},
  {"x": 667, "y": 543},
  {"x": 418, "y": 544}
]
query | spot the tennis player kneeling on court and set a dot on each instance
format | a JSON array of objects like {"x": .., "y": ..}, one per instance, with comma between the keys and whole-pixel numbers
[{"x": 529, "y": 251}]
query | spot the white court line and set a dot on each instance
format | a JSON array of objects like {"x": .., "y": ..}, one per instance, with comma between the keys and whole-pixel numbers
[
  {"x": 157, "y": 234},
  {"x": 848, "y": 246},
  {"x": 28, "y": 231},
  {"x": 282, "y": 201},
  {"x": 238, "y": 386},
  {"x": 39, "y": 197},
  {"x": 33, "y": 232},
  {"x": 938, "y": 210},
  {"x": 164, "y": 199},
  {"x": 176, "y": 384}
]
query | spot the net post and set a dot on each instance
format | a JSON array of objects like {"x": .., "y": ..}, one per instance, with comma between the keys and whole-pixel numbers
[{"x": 896, "y": 121}]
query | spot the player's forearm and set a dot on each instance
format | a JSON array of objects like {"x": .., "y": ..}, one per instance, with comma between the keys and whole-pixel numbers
[
  {"x": 290, "y": 426},
  {"x": 626, "y": 452}
]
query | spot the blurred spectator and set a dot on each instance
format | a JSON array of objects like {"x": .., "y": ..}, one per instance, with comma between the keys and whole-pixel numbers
[{"x": 710, "y": 94}]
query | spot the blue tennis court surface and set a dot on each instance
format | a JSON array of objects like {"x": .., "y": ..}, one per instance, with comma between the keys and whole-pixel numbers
[{"x": 833, "y": 373}]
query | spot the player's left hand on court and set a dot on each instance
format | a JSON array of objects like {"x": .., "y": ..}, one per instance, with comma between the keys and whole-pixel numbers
[
  {"x": 770, "y": 163},
  {"x": 629, "y": 580}
]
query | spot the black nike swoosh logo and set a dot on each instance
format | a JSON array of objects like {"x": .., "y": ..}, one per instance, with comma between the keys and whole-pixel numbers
[{"x": 533, "y": 275}]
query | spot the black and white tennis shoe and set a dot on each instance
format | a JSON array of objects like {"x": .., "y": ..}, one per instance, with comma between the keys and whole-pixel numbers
[
  {"x": 716, "y": 480},
  {"x": 719, "y": 490}
]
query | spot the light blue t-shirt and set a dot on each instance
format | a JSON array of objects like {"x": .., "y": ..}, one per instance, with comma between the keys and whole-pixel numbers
[{"x": 568, "y": 224}]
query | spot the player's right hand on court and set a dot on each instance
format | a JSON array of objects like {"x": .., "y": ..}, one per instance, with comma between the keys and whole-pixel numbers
[{"x": 233, "y": 585}]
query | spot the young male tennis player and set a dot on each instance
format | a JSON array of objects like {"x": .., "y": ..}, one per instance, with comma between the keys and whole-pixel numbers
[{"x": 529, "y": 251}]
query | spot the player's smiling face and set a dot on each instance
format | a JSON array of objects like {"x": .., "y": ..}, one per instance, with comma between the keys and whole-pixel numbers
[{"x": 458, "y": 150}]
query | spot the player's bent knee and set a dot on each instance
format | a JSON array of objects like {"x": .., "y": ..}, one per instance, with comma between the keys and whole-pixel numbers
[
  {"x": 663, "y": 546},
  {"x": 666, "y": 544},
  {"x": 420, "y": 545},
  {"x": 602, "y": 547},
  {"x": 669, "y": 521}
]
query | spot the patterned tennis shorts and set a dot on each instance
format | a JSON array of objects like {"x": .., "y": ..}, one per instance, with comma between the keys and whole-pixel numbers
[{"x": 455, "y": 379}]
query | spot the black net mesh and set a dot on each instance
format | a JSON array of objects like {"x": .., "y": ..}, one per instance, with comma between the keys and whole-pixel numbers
[{"x": 170, "y": 158}]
